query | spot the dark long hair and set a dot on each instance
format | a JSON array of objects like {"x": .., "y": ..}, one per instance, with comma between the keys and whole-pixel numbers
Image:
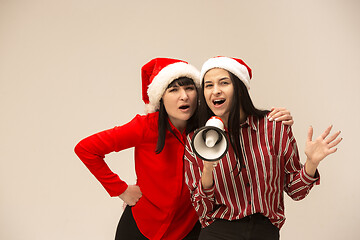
[
  {"x": 241, "y": 100},
  {"x": 163, "y": 123}
]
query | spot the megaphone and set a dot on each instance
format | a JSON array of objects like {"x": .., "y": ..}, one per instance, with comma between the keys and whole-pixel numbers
[{"x": 210, "y": 142}]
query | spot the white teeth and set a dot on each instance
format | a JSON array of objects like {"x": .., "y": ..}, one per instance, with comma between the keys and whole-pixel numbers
[{"x": 218, "y": 101}]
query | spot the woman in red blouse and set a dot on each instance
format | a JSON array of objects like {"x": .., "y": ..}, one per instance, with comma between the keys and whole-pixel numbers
[
  {"x": 241, "y": 195},
  {"x": 158, "y": 206}
]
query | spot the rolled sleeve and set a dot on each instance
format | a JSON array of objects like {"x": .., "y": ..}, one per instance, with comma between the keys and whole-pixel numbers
[
  {"x": 206, "y": 193},
  {"x": 307, "y": 179}
]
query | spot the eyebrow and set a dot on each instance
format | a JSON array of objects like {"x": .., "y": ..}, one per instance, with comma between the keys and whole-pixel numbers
[
  {"x": 174, "y": 86},
  {"x": 223, "y": 78}
]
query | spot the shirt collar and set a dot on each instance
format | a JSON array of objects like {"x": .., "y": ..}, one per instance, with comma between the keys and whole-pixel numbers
[{"x": 249, "y": 122}]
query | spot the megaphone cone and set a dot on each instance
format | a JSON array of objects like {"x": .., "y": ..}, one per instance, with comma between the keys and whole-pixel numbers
[{"x": 210, "y": 142}]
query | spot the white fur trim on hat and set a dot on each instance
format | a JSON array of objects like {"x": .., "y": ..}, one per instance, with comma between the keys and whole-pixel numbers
[
  {"x": 162, "y": 80},
  {"x": 228, "y": 64}
]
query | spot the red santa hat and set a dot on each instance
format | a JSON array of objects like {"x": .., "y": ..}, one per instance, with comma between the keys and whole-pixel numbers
[
  {"x": 158, "y": 74},
  {"x": 234, "y": 65}
]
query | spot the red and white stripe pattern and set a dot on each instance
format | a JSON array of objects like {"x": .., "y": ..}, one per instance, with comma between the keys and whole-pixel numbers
[{"x": 272, "y": 165}]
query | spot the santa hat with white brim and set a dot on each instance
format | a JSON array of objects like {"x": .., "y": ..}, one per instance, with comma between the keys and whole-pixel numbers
[
  {"x": 158, "y": 73},
  {"x": 234, "y": 65}
]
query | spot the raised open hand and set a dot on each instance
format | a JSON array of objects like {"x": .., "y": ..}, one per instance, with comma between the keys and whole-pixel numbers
[{"x": 321, "y": 147}]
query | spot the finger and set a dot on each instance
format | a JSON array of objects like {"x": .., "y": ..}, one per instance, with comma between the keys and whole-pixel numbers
[
  {"x": 326, "y": 132},
  {"x": 332, "y": 137},
  {"x": 215, "y": 163},
  {"x": 334, "y": 143},
  {"x": 276, "y": 111},
  {"x": 310, "y": 134},
  {"x": 282, "y": 117},
  {"x": 331, "y": 151},
  {"x": 282, "y": 114},
  {"x": 277, "y": 115},
  {"x": 272, "y": 113},
  {"x": 134, "y": 201},
  {"x": 289, "y": 122}
]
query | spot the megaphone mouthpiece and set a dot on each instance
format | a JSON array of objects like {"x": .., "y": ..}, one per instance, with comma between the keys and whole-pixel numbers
[
  {"x": 211, "y": 137},
  {"x": 210, "y": 142}
]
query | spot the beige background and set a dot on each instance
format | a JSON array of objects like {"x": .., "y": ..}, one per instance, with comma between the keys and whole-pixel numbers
[{"x": 71, "y": 68}]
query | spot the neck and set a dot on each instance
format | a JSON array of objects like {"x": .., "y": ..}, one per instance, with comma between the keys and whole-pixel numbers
[
  {"x": 178, "y": 124},
  {"x": 242, "y": 116},
  {"x": 225, "y": 118}
]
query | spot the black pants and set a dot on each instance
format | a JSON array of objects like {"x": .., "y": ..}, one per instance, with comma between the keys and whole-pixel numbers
[
  {"x": 128, "y": 230},
  {"x": 253, "y": 227}
]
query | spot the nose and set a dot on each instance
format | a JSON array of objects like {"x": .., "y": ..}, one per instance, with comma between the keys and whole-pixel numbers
[
  {"x": 216, "y": 89},
  {"x": 183, "y": 94}
]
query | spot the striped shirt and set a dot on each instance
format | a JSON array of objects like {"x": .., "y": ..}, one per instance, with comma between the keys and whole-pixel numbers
[{"x": 272, "y": 166}]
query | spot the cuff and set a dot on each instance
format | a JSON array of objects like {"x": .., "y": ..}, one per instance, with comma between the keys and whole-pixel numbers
[
  {"x": 308, "y": 179},
  {"x": 118, "y": 189},
  {"x": 206, "y": 193}
]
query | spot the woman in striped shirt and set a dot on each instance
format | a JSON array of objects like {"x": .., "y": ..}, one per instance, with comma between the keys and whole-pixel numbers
[{"x": 241, "y": 195}]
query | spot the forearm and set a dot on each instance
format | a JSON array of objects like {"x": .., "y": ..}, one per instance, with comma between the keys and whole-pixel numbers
[
  {"x": 92, "y": 151},
  {"x": 310, "y": 168},
  {"x": 101, "y": 171},
  {"x": 207, "y": 179}
]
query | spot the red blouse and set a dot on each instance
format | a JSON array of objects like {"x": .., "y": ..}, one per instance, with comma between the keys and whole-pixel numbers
[{"x": 164, "y": 211}]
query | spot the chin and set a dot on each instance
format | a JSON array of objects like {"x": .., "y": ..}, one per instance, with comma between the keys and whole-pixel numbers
[
  {"x": 185, "y": 117},
  {"x": 219, "y": 114}
]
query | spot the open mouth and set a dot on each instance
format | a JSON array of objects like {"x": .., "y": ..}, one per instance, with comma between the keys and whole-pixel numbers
[
  {"x": 218, "y": 102},
  {"x": 184, "y": 107}
]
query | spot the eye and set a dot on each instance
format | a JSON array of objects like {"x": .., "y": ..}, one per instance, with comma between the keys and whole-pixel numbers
[
  {"x": 208, "y": 85},
  {"x": 190, "y": 88},
  {"x": 172, "y": 89},
  {"x": 225, "y": 82}
]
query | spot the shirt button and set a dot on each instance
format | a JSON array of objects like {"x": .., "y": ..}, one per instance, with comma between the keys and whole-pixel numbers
[
  {"x": 248, "y": 184},
  {"x": 249, "y": 202}
]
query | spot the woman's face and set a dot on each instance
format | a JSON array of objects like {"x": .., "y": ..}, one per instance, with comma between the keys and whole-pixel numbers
[
  {"x": 218, "y": 92},
  {"x": 180, "y": 103}
]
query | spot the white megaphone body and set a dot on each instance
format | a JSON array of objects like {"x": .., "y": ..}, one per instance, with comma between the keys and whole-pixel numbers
[{"x": 210, "y": 142}]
